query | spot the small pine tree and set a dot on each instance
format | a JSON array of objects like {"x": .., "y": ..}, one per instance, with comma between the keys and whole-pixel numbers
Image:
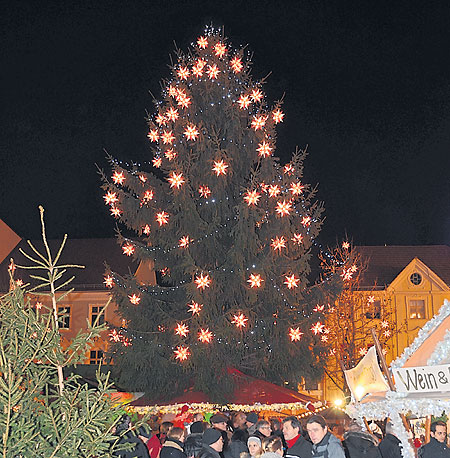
[
  {"x": 229, "y": 230},
  {"x": 42, "y": 414},
  {"x": 350, "y": 318}
]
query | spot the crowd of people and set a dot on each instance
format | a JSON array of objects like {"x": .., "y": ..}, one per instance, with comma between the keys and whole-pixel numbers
[{"x": 247, "y": 436}]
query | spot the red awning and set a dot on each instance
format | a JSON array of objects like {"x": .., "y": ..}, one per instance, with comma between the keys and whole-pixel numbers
[{"x": 248, "y": 391}]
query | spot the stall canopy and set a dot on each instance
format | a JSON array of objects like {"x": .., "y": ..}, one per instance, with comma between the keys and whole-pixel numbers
[{"x": 249, "y": 394}]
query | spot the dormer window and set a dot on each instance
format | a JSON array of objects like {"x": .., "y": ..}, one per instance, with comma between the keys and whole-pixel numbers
[{"x": 415, "y": 278}]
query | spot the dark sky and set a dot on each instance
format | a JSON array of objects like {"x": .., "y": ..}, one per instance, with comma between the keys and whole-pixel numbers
[{"x": 366, "y": 85}]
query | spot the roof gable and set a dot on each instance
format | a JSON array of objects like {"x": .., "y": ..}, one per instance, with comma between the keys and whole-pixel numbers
[{"x": 385, "y": 263}]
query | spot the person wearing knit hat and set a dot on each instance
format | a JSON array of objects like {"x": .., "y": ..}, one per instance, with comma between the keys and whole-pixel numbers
[
  {"x": 212, "y": 444},
  {"x": 219, "y": 422},
  {"x": 254, "y": 446},
  {"x": 252, "y": 419}
]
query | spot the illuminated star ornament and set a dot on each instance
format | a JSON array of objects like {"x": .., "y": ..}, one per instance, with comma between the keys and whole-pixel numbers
[
  {"x": 264, "y": 149},
  {"x": 318, "y": 328},
  {"x": 277, "y": 116},
  {"x": 345, "y": 245},
  {"x": 284, "y": 208},
  {"x": 297, "y": 238},
  {"x": 252, "y": 197},
  {"x": 239, "y": 320},
  {"x": 118, "y": 177},
  {"x": 191, "y": 133},
  {"x": 295, "y": 334},
  {"x": 205, "y": 335},
  {"x": 274, "y": 190},
  {"x": 220, "y": 50},
  {"x": 236, "y": 64},
  {"x": 110, "y": 198},
  {"x": 146, "y": 229},
  {"x": 182, "y": 353},
  {"x": 116, "y": 212},
  {"x": 162, "y": 218},
  {"x": 306, "y": 221},
  {"x": 161, "y": 120},
  {"x": 128, "y": 249},
  {"x": 258, "y": 122},
  {"x": 244, "y": 101},
  {"x": 182, "y": 330},
  {"x": 157, "y": 161},
  {"x": 134, "y": 299},
  {"x": 172, "y": 114},
  {"x": 153, "y": 135},
  {"x": 278, "y": 243},
  {"x": 195, "y": 308},
  {"x": 183, "y": 73},
  {"x": 202, "y": 42},
  {"x": 202, "y": 281},
  {"x": 291, "y": 281},
  {"x": 255, "y": 280},
  {"x": 176, "y": 180},
  {"x": 109, "y": 281},
  {"x": 220, "y": 168},
  {"x": 212, "y": 71},
  {"x": 167, "y": 137},
  {"x": 148, "y": 195},
  {"x": 296, "y": 188},
  {"x": 256, "y": 95},
  {"x": 204, "y": 191},
  {"x": 184, "y": 242}
]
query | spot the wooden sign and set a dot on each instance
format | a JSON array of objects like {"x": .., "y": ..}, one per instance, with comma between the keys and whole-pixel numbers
[{"x": 422, "y": 379}]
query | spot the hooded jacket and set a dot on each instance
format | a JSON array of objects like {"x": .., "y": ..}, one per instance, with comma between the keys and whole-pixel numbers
[{"x": 360, "y": 444}]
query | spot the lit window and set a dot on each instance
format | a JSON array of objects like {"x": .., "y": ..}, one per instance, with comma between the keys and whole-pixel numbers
[
  {"x": 373, "y": 310},
  {"x": 415, "y": 278},
  {"x": 95, "y": 311},
  {"x": 64, "y": 317},
  {"x": 417, "y": 309},
  {"x": 95, "y": 356}
]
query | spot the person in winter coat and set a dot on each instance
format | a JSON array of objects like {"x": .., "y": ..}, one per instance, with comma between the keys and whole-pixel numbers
[
  {"x": 325, "y": 445},
  {"x": 390, "y": 445},
  {"x": 139, "y": 449},
  {"x": 297, "y": 446},
  {"x": 193, "y": 443},
  {"x": 263, "y": 429},
  {"x": 358, "y": 443},
  {"x": 173, "y": 445},
  {"x": 272, "y": 447},
  {"x": 437, "y": 447},
  {"x": 155, "y": 442},
  {"x": 237, "y": 445},
  {"x": 212, "y": 444}
]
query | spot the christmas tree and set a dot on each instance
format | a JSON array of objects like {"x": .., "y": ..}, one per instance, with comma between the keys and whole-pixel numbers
[
  {"x": 350, "y": 318},
  {"x": 43, "y": 414},
  {"x": 229, "y": 229}
]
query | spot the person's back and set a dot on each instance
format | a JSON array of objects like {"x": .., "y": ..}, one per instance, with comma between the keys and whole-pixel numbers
[
  {"x": 358, "y": 443},
  {"x": 173, "y": 445}
]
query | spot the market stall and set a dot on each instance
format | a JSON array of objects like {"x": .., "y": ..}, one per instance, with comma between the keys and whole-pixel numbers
[
  {"x": 422, "y": 381},
  {"x": 250, "y": 395}
]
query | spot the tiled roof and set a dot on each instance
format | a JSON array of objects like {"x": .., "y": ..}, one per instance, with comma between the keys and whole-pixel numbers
[
  {"x": 386, "y": 262},
  {"x": 91, "y": 253}
]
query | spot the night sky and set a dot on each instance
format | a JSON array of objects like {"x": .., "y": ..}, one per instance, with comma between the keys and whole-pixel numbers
[{"x": 366, "y": 86}]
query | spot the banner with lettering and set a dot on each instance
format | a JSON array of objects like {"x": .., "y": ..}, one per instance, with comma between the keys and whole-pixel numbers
[
  {"x": 422, "y": 379},
  {"x": 366, "y": 377}
]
